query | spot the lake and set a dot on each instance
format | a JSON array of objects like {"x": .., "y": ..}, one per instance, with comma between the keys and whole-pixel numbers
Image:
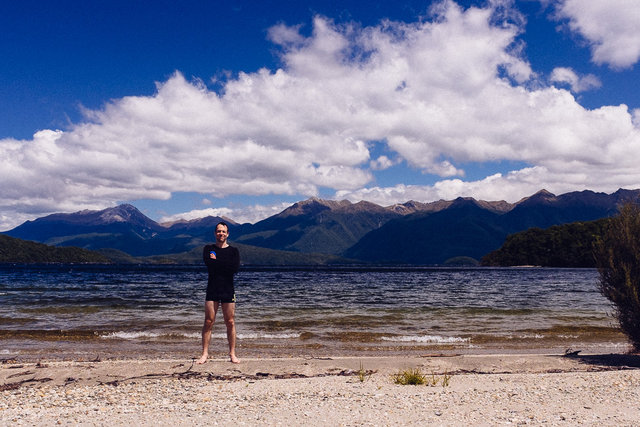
[{"x": 91, "y": 311}]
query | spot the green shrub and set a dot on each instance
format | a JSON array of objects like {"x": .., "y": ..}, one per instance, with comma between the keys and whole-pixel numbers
[{"x": 617, "y": 255}]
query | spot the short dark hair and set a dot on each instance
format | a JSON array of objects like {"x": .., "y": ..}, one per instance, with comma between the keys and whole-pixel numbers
[{"x": 222, "y": 223}]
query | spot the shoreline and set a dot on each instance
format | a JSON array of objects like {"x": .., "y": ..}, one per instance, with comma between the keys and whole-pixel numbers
[
  {"x": 41, "y": 351},
  {"x": 91, "y": 372},
  {"x": 62, "y": 347},
  {"x": 482, "y": 389}
]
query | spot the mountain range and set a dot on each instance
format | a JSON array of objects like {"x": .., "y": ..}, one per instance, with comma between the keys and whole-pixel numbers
[
  {"x": 327, "y": 231},
  {"x": 472, "y": 229}
]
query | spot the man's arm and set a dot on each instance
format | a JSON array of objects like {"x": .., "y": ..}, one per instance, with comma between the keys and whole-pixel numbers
[{"x": 206, "y": 258}]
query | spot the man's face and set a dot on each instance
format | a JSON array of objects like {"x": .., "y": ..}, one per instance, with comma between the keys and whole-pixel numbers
[{"x": 221, "y": 233}]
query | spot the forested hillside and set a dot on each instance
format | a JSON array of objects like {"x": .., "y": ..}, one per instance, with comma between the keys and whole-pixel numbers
[
  {"x": 14, "y": 250},
  {"x": 568, "y": 245}
]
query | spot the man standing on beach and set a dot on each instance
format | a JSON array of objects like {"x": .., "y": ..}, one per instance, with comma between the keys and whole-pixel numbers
[{"x": 222, "y": 261}]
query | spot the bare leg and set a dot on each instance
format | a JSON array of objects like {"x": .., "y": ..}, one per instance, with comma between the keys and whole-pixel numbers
[
  {"x": 229, "y": 312},
  {"x": 210, "y": 310}
]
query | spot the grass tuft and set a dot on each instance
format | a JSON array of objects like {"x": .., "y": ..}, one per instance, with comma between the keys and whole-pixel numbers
[
  {"x": 416, "y": 377},
  {"x": 410, "y": 377},
  {"x": 363, "y": 374},
  {"x": 445, "y": 379}
]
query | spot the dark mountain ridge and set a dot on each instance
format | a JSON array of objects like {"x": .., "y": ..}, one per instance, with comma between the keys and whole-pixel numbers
[
  {"x": 123, "y": 227},
  {"x": 413, "y": 232},
  {"x": 469, "y": 229},
  {"x": 316, "y": 226},
  {"x": 465, "y": 228},
  {"x": 122, "y": 219}
]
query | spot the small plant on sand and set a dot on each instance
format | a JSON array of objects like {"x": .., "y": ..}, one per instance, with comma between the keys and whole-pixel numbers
[
  {"x": 433, "y": 381},
  {"x": 410, "y": 377},
  {"x": 362, "y": 374},
  {"x": 445, "y": 379}
]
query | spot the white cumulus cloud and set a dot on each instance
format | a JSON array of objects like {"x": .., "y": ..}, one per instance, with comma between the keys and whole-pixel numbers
[
  {"x": 577, "y": 83},
  {"x": 381, "y": 163},
  {"x": 251, "y": 214},
  {"x": 443, "y": 92},
  {"x": 612, "y": 28}
]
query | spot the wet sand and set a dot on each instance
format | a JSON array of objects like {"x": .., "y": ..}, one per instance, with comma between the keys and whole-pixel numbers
[{"x": 462, "y": 389}]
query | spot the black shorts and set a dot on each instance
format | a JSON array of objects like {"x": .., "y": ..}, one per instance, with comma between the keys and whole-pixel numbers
[{"x": 222, "y": 297}]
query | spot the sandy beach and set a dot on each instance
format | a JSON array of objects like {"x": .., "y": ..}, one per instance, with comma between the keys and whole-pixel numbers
[{"x": 471, "y": 389}]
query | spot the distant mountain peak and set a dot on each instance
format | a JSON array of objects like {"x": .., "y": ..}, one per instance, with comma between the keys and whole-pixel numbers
[
  {"x": 542, "y": 196},
  {"x": 544, "y": 193},
  {"x": 313, "y": 205},
  {"x": 208, "y": 221},
  {"x": 412, "y": 206},
  {"x": 120, "y": 213},
  {"x": 464, "y": 202},
  {"x": 627, "y": 195}
]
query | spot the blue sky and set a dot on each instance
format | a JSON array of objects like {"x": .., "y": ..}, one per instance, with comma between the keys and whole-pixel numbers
[{"x": 240, "y": 108}]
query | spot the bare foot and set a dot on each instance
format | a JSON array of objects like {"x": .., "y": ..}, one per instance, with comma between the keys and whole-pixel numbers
[
  {"x": 202, "y": 359},
  {"x": 233, "y": 358}
]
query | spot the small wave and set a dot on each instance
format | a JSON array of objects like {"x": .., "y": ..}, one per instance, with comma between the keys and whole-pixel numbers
[
  {"x": 257, "y": 336},
  {"x": 531, "y": 336},
  {"x": 127, "y": 335},
  {"x": 122, "y": 335},
  {"x": 426, "y": 339}
]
